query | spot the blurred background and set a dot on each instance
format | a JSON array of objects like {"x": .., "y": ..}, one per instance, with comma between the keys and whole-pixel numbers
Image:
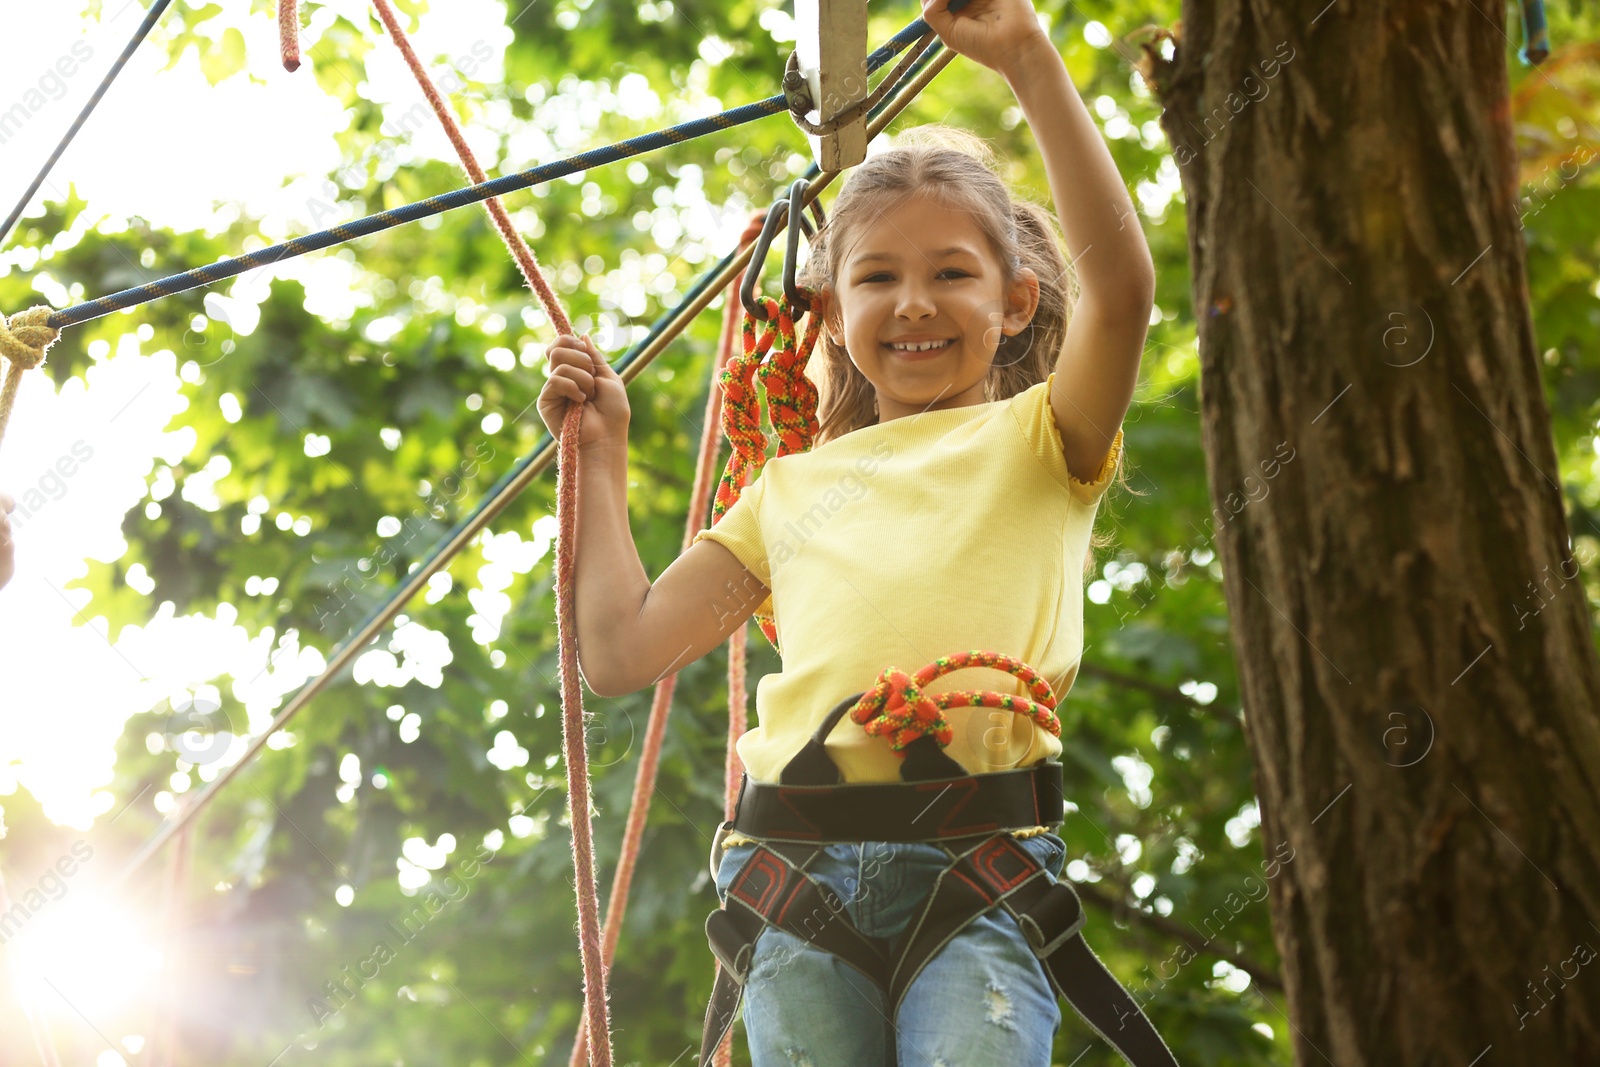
[{"x": 215, "y": 488}]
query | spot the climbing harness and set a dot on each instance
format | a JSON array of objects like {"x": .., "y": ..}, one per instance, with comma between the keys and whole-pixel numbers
[{"x": 971, "y": 817}]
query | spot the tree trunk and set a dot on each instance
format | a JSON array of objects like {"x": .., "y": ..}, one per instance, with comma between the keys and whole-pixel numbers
[{"x": 1412, "y": 635}]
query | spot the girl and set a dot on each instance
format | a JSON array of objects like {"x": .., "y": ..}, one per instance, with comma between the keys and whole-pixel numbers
[{"x": 969, "y": 426}]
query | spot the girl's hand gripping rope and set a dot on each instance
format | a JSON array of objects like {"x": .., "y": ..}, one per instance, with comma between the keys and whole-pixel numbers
[{"x": 579, "y": 371}]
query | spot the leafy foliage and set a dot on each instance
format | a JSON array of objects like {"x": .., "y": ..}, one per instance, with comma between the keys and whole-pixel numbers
[{"x": 380, "y": 427}]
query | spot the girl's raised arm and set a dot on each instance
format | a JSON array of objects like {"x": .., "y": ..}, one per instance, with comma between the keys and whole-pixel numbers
[
  {"x": 631, "y": 633},
  {"x": 1097, "y": 369}
]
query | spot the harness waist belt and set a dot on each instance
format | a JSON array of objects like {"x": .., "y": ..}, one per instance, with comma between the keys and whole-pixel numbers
[{"x": 903, "y": 811}]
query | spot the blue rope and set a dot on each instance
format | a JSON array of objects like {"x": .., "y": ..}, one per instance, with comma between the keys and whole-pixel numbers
[
  {"x": 435, "y": 205},
  {"x": 134, "y": 42}
]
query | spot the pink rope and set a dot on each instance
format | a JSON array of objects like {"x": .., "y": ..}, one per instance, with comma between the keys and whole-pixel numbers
[
  {"x": 599, "y": 951},
  {"x": 519, "y": 248},
  {"x": 597, "y": 1011},
  {"x": 644, "y": 782},
  {"x": 289, "y": 33},
  {"x": 735, "y": 771},
  {"x": 595, "y": 961}
]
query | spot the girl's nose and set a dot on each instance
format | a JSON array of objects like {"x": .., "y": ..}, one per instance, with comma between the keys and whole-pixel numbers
[{"x": 915, "y": 303}]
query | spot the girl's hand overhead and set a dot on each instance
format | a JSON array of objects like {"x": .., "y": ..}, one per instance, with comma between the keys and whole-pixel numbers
[
  {"x": 579, "y": 370},
  {"x": 992, "y": 32}
]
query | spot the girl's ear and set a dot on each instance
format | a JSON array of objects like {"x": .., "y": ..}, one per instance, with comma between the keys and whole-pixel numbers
[
  {"x": 1022, "y": 300},
  {"x": 827, "y": 305}
]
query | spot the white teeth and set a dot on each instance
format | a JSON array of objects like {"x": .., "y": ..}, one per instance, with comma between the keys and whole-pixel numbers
[{"x": 921, "y": 346}]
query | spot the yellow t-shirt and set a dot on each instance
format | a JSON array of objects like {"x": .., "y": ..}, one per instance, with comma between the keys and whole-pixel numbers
[{"x": 924, "y": 536}]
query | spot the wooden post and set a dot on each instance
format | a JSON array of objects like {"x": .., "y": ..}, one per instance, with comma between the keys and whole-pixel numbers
[{"x": 832, "y": 47}]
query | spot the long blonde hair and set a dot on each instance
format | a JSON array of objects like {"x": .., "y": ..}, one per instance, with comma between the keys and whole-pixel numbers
[{"x": 957, "y": 168}]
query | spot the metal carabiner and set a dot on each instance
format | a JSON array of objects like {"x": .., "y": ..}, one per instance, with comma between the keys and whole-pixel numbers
[
  {"x": 785, "y": 211},
  {"x": 791, "y": 256},
  {"x": 747, "y": 292}
]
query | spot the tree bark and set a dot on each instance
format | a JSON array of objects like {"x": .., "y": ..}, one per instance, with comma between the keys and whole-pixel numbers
[{"x": 1412, "y": 635}]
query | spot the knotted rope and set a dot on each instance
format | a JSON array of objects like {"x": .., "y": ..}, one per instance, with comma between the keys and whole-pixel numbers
[
  {"x": 897, "y": 708},
  {"x": 24, "y": 339},
  {"x": 791, "y": 404}
]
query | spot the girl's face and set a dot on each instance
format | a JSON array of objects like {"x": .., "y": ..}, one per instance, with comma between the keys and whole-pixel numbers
[{"x": 920, "y": 302}]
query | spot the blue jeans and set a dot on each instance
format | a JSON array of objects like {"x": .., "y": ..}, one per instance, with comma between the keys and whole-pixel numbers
[{"x": 984, "y": 998}]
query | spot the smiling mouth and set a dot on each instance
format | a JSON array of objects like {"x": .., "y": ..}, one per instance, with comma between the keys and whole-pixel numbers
[{"x": 920, "y": 349}]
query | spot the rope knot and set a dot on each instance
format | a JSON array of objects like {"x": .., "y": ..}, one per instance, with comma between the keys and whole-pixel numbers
[
  {"x": 23, "y": 341},
  {"x": 25, "y": 337},
  {"x": 897, "y": 707}
]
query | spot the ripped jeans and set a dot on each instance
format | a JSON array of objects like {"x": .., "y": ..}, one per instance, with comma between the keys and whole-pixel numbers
[{"x": 983, "y": 999}]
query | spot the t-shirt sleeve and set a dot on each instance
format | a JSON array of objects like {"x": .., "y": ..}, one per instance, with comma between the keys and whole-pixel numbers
[
  {"x": 739, "y": 531},
  {"x": 1038, "y": 423}
]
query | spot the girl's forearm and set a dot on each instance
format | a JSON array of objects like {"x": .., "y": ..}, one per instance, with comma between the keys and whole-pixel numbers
[
  {"x": 1104, "y": 238},
  {"x": 610, "y": 578}
]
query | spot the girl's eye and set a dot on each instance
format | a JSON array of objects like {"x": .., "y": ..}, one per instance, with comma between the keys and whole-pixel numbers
[{"x": 948, "y": 272}]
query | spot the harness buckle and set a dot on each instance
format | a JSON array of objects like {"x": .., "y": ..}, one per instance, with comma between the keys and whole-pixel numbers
[
  {"x": 732, "y": 946},
  {"x": 1052, "y": 920}
]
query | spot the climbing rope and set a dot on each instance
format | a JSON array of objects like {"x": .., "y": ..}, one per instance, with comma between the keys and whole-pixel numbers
[
  {"x": 150, "y": 19},
  {"x": 644, "y": 782},
  {"x": 24, "y": 338},
  {"x": 435, "y": 205},
  {"x": 597, "y": 1032},
  {"x": 572, "y": 726},
  {"x": 289, "y": 34},
  {"x": 526, "y": 262}
]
